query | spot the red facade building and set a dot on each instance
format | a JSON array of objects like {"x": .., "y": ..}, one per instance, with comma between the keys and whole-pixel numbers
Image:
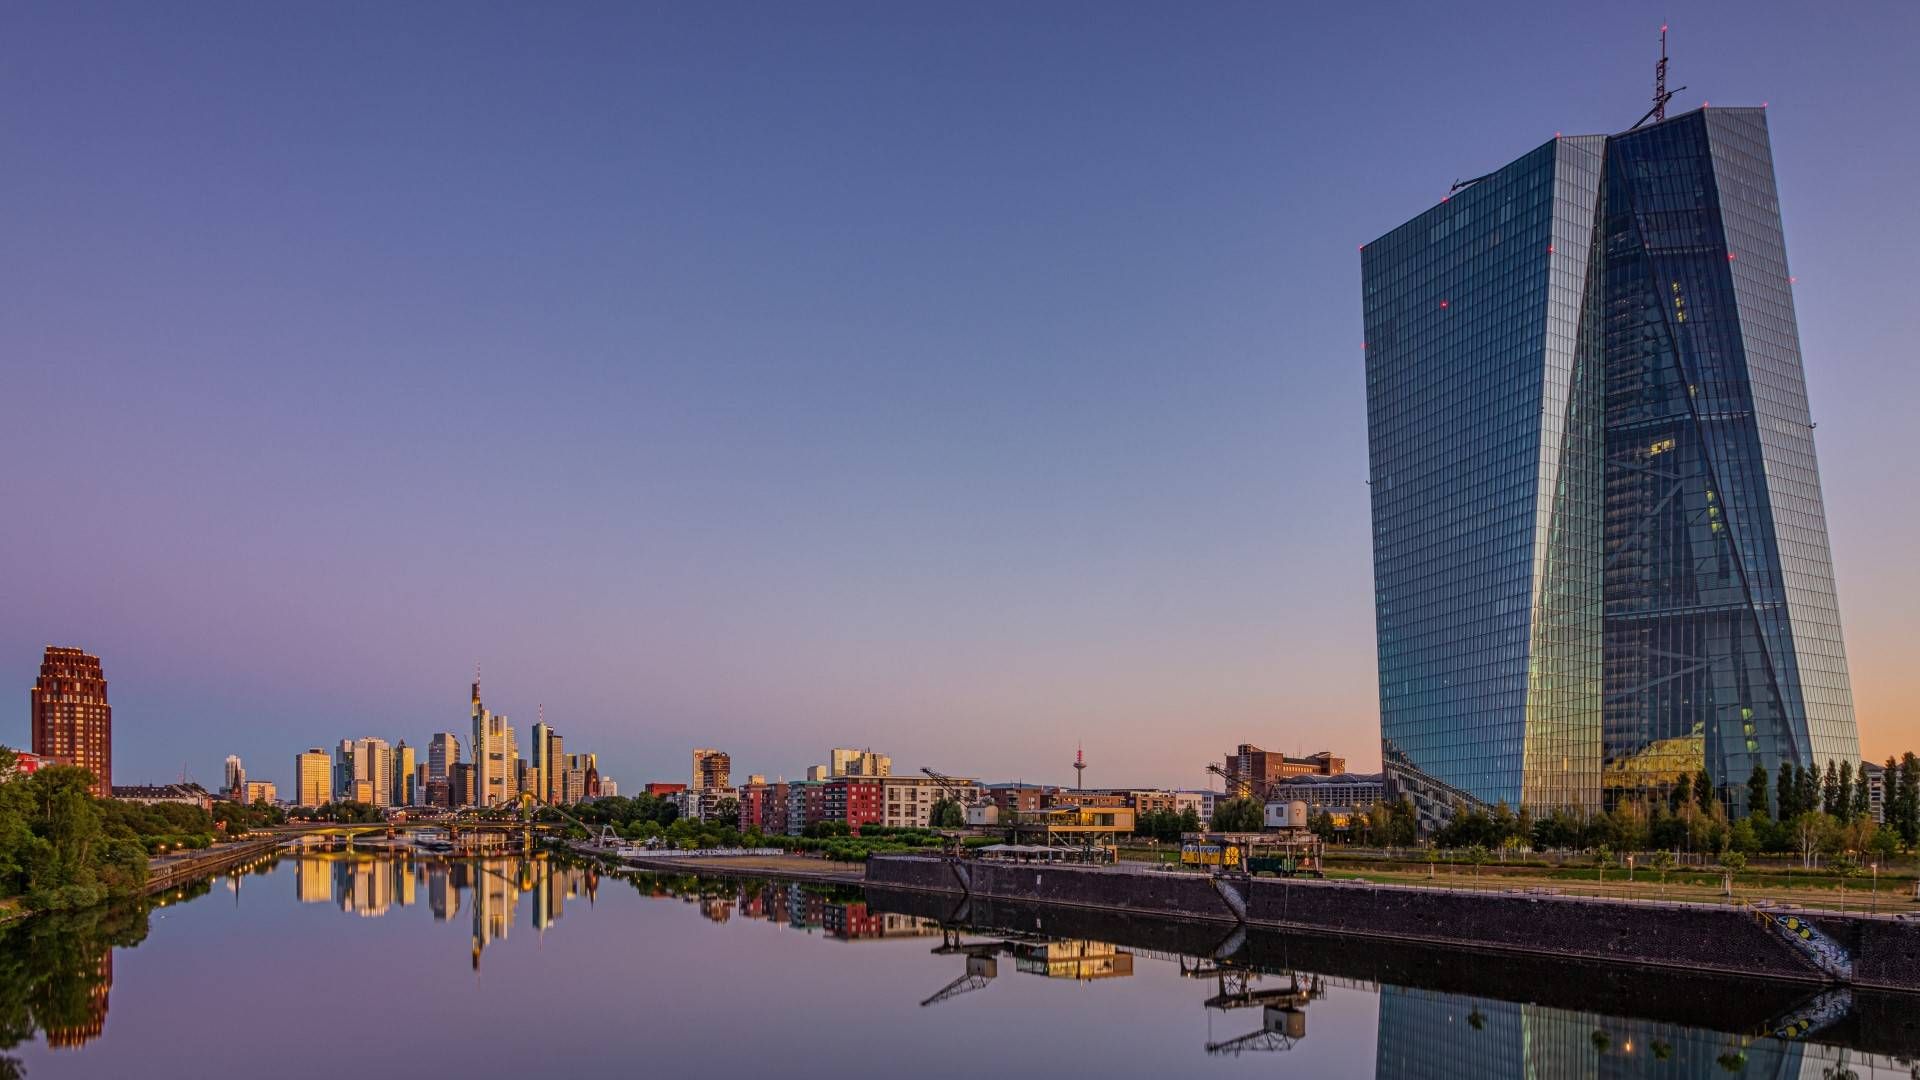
[
  {"x": 855, "y": 800},
  {"x": 72, "y": 722}
]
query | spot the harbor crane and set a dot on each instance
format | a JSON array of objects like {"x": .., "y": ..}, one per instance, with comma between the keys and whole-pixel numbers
[
  {"x": 950, "y": 789},
  {"x": 1242, "y": 786}
]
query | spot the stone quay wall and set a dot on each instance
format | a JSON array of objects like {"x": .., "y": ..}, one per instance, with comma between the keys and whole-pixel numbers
[{"x": 1694, "y": 937}]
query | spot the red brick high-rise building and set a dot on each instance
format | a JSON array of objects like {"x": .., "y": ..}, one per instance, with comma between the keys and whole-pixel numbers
[{"x": 72, "y": 722}]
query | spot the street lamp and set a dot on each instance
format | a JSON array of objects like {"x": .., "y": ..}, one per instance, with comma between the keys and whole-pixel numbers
[
  {"x": 1629, "y": 869},
  {"x": 1876, "y": 885}
]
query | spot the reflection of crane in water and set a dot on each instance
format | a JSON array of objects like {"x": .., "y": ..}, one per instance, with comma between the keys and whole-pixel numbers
[
  {"x": 981, "y": 966},
  {"x": 1283, "y": 1017},
  {"x": 980, "y": 970},
  {"x": 982, "y": 960}
]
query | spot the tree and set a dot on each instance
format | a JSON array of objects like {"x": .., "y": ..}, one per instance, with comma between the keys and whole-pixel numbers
[
  {"x": 1743, "y": 838},
  {"x": 1787, "y": 794},
  {"x": 1808, "y": 800},
  {"x": 1477, "y": 855},
  {"x": 1404, "y": 823},
  {"x": 1321, "y": 825},
  {"x": 1909, "y": 825},
  {"x": 1663, "y": 861},
  {"x": 1238, "y": 815},
  {"x": 1843, "y": 806},
  {"x": 1862, "y": 798},
  {"x": 1190, "y": 819},
  {"x": 1811, "y": 832},
  {"x": 1830, "y": 791},
  {"x": 1703, "y": 789},
  {"x": 1884, "y": 844},
  {"x": 1681, "y": 795},
  {"x": 1757, "y": 791},
  {"x": 947, "y": 814},
  {"x": 1890, "y": 794}
]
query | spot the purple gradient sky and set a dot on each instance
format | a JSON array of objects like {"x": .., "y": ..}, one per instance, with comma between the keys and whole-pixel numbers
[{"x": 957, "y": 381}]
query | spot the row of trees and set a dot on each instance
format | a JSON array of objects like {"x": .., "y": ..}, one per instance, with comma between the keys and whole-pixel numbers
[
  {"x": 237, "y": 819},
  {"x": 1167, "y": 826},
  {"x": 626, "y": 812},
  {"x": 60, "y": 847},
  {"x": 343, "y": 813}
]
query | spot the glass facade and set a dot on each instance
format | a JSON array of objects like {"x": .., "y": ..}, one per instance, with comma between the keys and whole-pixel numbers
[
  {"x": 1483, "y": 401},
  {"x": 1600, "y": 554}
]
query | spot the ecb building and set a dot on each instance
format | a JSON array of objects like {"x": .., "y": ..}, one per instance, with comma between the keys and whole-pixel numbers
[{"x": 1600, "y": 556}]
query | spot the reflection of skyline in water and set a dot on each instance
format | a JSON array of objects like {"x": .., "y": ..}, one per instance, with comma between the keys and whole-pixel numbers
[
  {"x": 57, "y": 972},
  {"x": 490, "y": 889}
]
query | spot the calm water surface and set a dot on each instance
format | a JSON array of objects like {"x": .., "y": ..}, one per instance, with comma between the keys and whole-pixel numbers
[{"x": 362, "y": 966}]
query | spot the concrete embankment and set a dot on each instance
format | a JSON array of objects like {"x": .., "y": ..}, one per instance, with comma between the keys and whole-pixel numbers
[
  {"x": 1885, "y": 952},
  {"x": 1881, "y": 1022},
  {"x": 178, "y": 871}
]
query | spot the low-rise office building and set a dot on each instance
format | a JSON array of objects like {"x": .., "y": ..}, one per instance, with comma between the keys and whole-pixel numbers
[
  {"x": 1344, "y": 796},
  {"x": 156, "y": 794}
]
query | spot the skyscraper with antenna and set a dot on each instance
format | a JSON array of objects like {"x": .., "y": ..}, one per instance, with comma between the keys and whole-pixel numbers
[{"x": 1600, "y": 552}]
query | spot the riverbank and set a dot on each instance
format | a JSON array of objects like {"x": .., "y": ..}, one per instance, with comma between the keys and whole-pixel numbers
[
  {"x": 775, "y": 867},
  {"x": 174, "y": 870}
]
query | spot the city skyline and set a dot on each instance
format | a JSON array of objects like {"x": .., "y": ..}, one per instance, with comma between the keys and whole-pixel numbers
[{"x": 968, "y": 416}]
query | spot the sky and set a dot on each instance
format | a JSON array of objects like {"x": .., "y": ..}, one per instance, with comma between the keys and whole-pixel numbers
[{"x": 966, "y": 381}]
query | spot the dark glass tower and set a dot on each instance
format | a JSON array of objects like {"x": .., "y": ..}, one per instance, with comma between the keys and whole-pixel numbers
[{"x": 1600, "y": 556}]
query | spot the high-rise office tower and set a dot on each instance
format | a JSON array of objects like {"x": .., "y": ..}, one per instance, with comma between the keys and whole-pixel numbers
[
  {"x": 71, "y": 720},
  {"x": 1600, "y": 555},
  {"x": 554, "y": 773},
  {"x": 236, "y": 784},
  {"x": 542, "y": 769},
  {"x": 373, "y": 766},
  {"x": 404, "y": 791},
  {"x": 343, "y": 771},
  {"x": 312, "y": 778},
  {"x": 443, "y": 752},
  {"x": 493, "y": 755}
]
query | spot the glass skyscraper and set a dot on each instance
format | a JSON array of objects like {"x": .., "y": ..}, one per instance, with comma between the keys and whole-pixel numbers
[{"x": 1600, "y": 556}]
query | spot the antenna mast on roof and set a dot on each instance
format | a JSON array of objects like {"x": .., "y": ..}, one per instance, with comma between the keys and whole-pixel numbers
[{"x": 1661, "y": 95}]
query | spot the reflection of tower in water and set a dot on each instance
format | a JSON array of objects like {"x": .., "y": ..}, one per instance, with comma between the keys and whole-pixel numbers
[
  {"x": 313, "y": 880},
  {"x": 82, "y": 1026},
  {"x": 443, "y": 892},
  {"x": 1430, "y": 1034},
  {"x": 495, "y": 894},
  {"x": 497, "y": 886}
]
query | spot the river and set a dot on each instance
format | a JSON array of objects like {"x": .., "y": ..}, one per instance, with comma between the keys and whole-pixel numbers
[{"x": 362, "y": 966}]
